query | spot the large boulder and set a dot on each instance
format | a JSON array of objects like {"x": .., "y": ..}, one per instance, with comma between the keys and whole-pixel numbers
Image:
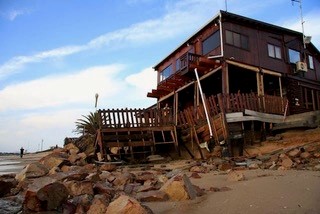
[
  {"x": 47, "y": 198},
  {"x": 33, "y": 170},
  {"x": 126, "y": 204},
  {"x": 179, "y": 188},
  {"x": 99, "y": 205},
  {"x": 6, "y": 185},
  {"x": 53, "y": 195},
  {"x": 235, "y": 176},
  {"x": 54, "y": 160}
]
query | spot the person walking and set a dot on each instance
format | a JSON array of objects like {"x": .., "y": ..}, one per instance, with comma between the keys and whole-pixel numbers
[{"x": 21, "y": 152}]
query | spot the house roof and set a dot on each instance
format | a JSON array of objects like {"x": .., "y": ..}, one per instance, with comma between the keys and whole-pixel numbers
[{"x": 227, "y": 16}]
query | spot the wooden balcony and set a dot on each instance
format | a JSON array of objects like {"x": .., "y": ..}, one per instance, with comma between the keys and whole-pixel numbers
[
  {"x": 184, "y": 73},
  {"x": 189, "y": 61}
]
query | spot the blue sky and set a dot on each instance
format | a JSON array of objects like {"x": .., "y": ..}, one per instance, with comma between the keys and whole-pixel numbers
[{"x": 57, "y": 54}]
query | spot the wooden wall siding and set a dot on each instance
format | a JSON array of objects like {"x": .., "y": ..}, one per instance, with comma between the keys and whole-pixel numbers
[
  {"x": 295, "y": 91},
  {"x": 257, "y": 55},
  {"x": 130, "y": 118}
]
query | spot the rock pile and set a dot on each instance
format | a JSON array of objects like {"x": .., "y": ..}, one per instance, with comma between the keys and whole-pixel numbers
[
  {"x": 300, "y": 158},
  {"x": 64, "y": 182}
]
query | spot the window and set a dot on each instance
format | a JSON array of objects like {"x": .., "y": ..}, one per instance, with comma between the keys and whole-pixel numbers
[
  {"x": 165, "y": 73},
  {"x": 310, "y": 62},
  {"x": 211, "y": 43},
  {"x": 294, "y": 56},
  {"x": 237, "y": 40},
  {"x": 274, "y": 51},
  {"x": 178, "y": 64}
]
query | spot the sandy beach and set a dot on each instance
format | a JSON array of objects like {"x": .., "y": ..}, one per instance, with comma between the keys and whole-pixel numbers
[
  {"x": 263, "y": 191},
  {"x": 14, "y": 164}
]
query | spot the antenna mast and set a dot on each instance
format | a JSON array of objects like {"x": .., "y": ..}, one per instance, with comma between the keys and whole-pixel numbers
[
  {"x": 226, "y": 4},
  {"x": 302, "y": 21}
]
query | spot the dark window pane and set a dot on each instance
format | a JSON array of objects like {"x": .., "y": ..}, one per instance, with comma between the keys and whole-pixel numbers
[
  {"x": 229, "y": 37},
  {"x": 236, "y": 40},
  {"x": 244, "y": 42},
  {"x": 178, "y": 64},
  {"x": 211, "y": 43},
  {"x": 166, "y": 73}
]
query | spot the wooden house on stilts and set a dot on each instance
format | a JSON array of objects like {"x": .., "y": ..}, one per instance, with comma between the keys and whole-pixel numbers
[{"x": 253, "y": 77}]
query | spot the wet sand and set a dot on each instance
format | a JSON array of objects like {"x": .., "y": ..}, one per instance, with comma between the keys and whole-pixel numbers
[{"x": 14, "y": 164}]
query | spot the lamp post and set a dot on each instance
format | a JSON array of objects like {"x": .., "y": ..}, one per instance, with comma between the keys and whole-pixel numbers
[{"x": 96, "y": 103}]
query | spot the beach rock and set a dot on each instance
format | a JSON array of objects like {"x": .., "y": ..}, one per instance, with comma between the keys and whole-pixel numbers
[
  {"x": 253, "y": 165},
  {"x": 93, "y": 177},
  {"x": 104, "y": 189},
  {"x": 316, "y": 154},
  {"x": 150, "y": 196},
  {"x": 147, "y": 186},
  {"x": 286, "y": 163},
  {"x": 54, "y": 170},
  {"x": 71, "y": 148},
  {"x": 53, "y": 195},
  {"x": 126, "y": 204},
  {"x": 32, "y": 202},
  {"x": 79, "y": 188},
  {"x": 108, "y": 167},
  {"x": 68, "y": 208},
  {"x": 6, "y": 185},
  {"x": 225, "y": 166},
  {"x": 305, "y": 155},
  {"x": 294, "y": 153},
  {"x": 198, "y": 169},
  {"x": 53, "y": 160},
  {"x": 144, "y": 176},
  {"x": 75, "y": 176},
  {"x": 122, "y": 179},
  {"x": 81, "y": 202},
  {"x": 316, "y": 167},
  {"x": 33, "y": 170},
  {"x": 179, "y": 188},
  {"x": 235, "y": 176},
  {"x": 99, "y": 205},
  {"x": 73, "y": 158},
  {"x": 195, "y": 175}
]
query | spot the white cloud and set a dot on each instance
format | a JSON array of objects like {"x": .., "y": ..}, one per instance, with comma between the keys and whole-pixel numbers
[
  {"x": 145, "y": 80},
  {"x": 13, "y": 14},
  {"x": 61, "y": 90},
  {"x": 47, "y": 108}
]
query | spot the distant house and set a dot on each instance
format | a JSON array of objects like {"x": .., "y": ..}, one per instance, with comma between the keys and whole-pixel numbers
[{"x": 236, "y": 54}]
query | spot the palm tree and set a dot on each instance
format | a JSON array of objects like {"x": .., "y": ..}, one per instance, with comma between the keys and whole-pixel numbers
[{"x": 88, "y": 125}]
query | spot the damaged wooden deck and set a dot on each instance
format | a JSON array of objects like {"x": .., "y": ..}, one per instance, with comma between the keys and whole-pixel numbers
[{"x": 133, "y": 131}]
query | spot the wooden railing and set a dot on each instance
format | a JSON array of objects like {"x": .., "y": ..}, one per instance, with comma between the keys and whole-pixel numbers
[
  {"x": 239, "y": 102},
  {"x": 188, "y": 58},
  {"x": 127, "y": 118}
]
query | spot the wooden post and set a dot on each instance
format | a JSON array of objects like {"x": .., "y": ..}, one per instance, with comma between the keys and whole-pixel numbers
[{"x": 225, "y": 78}]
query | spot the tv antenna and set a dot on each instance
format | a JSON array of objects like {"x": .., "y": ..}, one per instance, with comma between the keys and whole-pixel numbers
[{"x": 302, "y": 21}]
